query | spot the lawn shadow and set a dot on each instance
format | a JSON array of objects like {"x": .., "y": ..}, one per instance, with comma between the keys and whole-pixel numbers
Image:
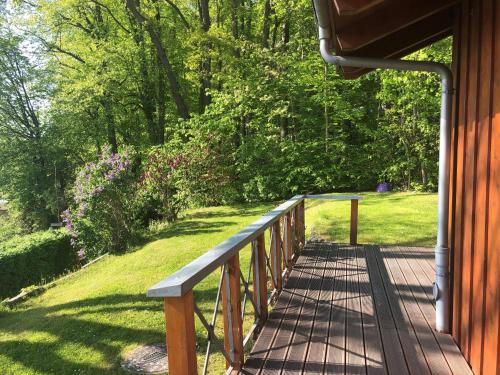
[
  {"x": 79, "y": 323},
  {"x": 72, "y": 323},
  {"x": 199, "y": 223}
]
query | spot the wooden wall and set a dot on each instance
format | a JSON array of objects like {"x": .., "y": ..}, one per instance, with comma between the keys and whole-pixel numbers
[{"x": 475, "y": 185}]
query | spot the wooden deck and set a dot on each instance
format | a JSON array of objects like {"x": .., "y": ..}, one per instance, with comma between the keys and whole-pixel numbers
[{"x": 356, "y": 310}]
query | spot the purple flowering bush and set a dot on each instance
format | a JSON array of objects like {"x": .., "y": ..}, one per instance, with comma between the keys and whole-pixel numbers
[{"x": 100, "y": 219}]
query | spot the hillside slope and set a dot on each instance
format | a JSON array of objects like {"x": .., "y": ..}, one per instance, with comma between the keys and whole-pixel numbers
[{"x": 86, "y": 323}]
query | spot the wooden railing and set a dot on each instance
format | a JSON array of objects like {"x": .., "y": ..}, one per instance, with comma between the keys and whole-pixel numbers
[{"x": 286, "y": 225}]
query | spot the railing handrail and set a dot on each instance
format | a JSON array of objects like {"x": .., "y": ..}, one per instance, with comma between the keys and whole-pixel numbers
[
  {"x": 183, "y": 280},
  {"x": 334, "y": 197}
]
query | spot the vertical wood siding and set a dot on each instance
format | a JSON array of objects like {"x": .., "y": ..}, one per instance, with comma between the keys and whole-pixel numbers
[{"x": 475, "y": 185}]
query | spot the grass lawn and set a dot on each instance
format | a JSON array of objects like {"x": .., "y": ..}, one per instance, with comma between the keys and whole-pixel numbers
[{"x": 88, "y": 322}]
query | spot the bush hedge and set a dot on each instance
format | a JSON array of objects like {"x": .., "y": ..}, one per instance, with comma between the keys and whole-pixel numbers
[{"x": 34, "y": 258}]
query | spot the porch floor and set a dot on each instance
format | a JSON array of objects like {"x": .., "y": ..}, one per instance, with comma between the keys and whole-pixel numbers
[{"x": 356, "y": 310}]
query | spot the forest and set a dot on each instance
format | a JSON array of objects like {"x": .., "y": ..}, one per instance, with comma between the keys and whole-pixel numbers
[{"x": 118, "y": 113}]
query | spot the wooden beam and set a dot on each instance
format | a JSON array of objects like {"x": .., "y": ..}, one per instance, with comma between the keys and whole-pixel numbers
[
  {"x": 301, "y": 224},
  {"x": 231, "y": 310},
  {"x": 413, "y": 35},
  {"x": 354, "y": 222},
  {"x": 386, "y": 21},
  {"x": 259, "y": 277},
  {"x": 288, "y": 239},
  {"x": 352, "y": 73},
  {"x": 275, "y": 254},
  {"x": 181, "y": 338},
  {"x": 355, "y": 7}
]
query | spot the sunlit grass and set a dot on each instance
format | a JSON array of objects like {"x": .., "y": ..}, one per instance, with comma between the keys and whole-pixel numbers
[
  {"x": 88, "y": 322},
  {"x": 391, "y": 218}
]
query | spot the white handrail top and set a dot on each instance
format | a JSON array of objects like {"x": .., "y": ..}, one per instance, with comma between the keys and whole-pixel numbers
[{"x": 336, "y": 197}]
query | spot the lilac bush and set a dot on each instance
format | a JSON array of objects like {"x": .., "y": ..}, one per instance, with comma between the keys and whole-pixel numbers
[{"x": 100, "y": 220}]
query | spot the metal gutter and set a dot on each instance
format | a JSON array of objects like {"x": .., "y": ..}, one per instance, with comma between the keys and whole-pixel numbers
[{"x": 442, "y": 252}]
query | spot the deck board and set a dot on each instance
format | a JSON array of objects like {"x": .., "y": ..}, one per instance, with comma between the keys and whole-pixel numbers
[{"x": 356, "y": 310}]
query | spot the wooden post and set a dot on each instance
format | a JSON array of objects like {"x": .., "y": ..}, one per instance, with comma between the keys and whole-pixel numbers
[
  {"x": 295, "y": 247},
  {"x": 275, "y": 253},
  {"x": 302, "y": 224},
  {"x": 354, "y": 221},
  {"x": 181, "y": 338},
  {"x": 231, "y": 309},
  {"x": 259, "y": 277},
  {"x": 288, "y": 239}
]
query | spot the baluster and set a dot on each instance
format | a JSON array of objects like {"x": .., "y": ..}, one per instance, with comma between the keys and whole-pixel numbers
[
  {"x": 295, "y": 246},
  {"x": 181, "y": 338},
  {"x": 231, "y": 308},
  {"x": 288, "y": 240},
  {"x": 302, "y": 224},
  {"x": 259, "y": 277},
  {"x": 276, "y": 255}
]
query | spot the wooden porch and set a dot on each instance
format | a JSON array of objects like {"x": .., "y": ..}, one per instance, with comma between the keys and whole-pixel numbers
[
  {"x": 315, "y": 307},
  {"x": 356, "y": 310}
]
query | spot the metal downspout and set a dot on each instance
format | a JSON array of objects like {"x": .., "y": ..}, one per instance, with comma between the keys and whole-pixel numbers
[{"x": 442, "y": 251}]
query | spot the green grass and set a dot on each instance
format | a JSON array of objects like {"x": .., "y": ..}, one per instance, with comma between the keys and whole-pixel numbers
[
  {"x": 88, "y": 322},
  {"x": 390, "y": 218}
]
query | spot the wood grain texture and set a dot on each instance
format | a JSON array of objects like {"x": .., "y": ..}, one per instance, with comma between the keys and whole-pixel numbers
[
  {"x": 260, "y": 278},
  {"x": 181, "y": 338},
  {"x": 475, "y": 221},
  {"x": 288, "y": 238},
  {"x": 356, "y": 310},
  {"x": 354, "y": 222},
  {"x": 275, "y": 255},
  {"x": 355, "y": 7},
  {"x": 363, "y": 31},
  {"x": 231, "y": 312}
]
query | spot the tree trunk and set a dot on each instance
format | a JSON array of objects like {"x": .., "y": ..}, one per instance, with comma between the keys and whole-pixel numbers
[
  {"x": 161, "y": 105},
  {"x": 235, "y": 24},
  {"x": 266, "y": 24},
  {"x": 284, "y": 121},
  {"x": 423, "y": 172},
  {"x": 206, "y": 61},
  {"x": 110, "y": 123},
  {"x": 234, "y": 19},
  {"x": 175, "y": 91}
]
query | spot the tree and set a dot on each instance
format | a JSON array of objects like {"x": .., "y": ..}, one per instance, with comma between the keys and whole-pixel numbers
[{"x": 23, "y": 161}]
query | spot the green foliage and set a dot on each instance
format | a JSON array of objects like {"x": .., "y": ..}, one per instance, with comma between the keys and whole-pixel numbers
[
  {"x": 241, "y": 95},
  {"x": 409, "y": 128},
  {"x": 158, "y": 195},
  {"x": 9, "y": 227},
  {"x": 208, "y": 170},
  {"x": 34, "y": 258}
]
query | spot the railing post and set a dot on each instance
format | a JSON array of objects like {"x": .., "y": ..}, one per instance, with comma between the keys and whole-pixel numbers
[
  {"x": 275, "y": 253},
  {"x": 302, "y": 224},
  {"x": 181, "y": 337},
  {"x": 231, "y": 308},
  {"x": 354, "y": 221},
  {"x": 259, "y": 277},
  {"x": 288, "y": 239},
  {"x": 295, "y": 245}
]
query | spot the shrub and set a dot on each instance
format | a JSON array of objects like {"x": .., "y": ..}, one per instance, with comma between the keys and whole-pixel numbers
[
  {"x": 101, "y": 218},
  {"x": 208, "y": 175},
  {"x": 33, "y": 258},
  {"x": 158, "y": 194},
  {"x": 9, "y": 227}
]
